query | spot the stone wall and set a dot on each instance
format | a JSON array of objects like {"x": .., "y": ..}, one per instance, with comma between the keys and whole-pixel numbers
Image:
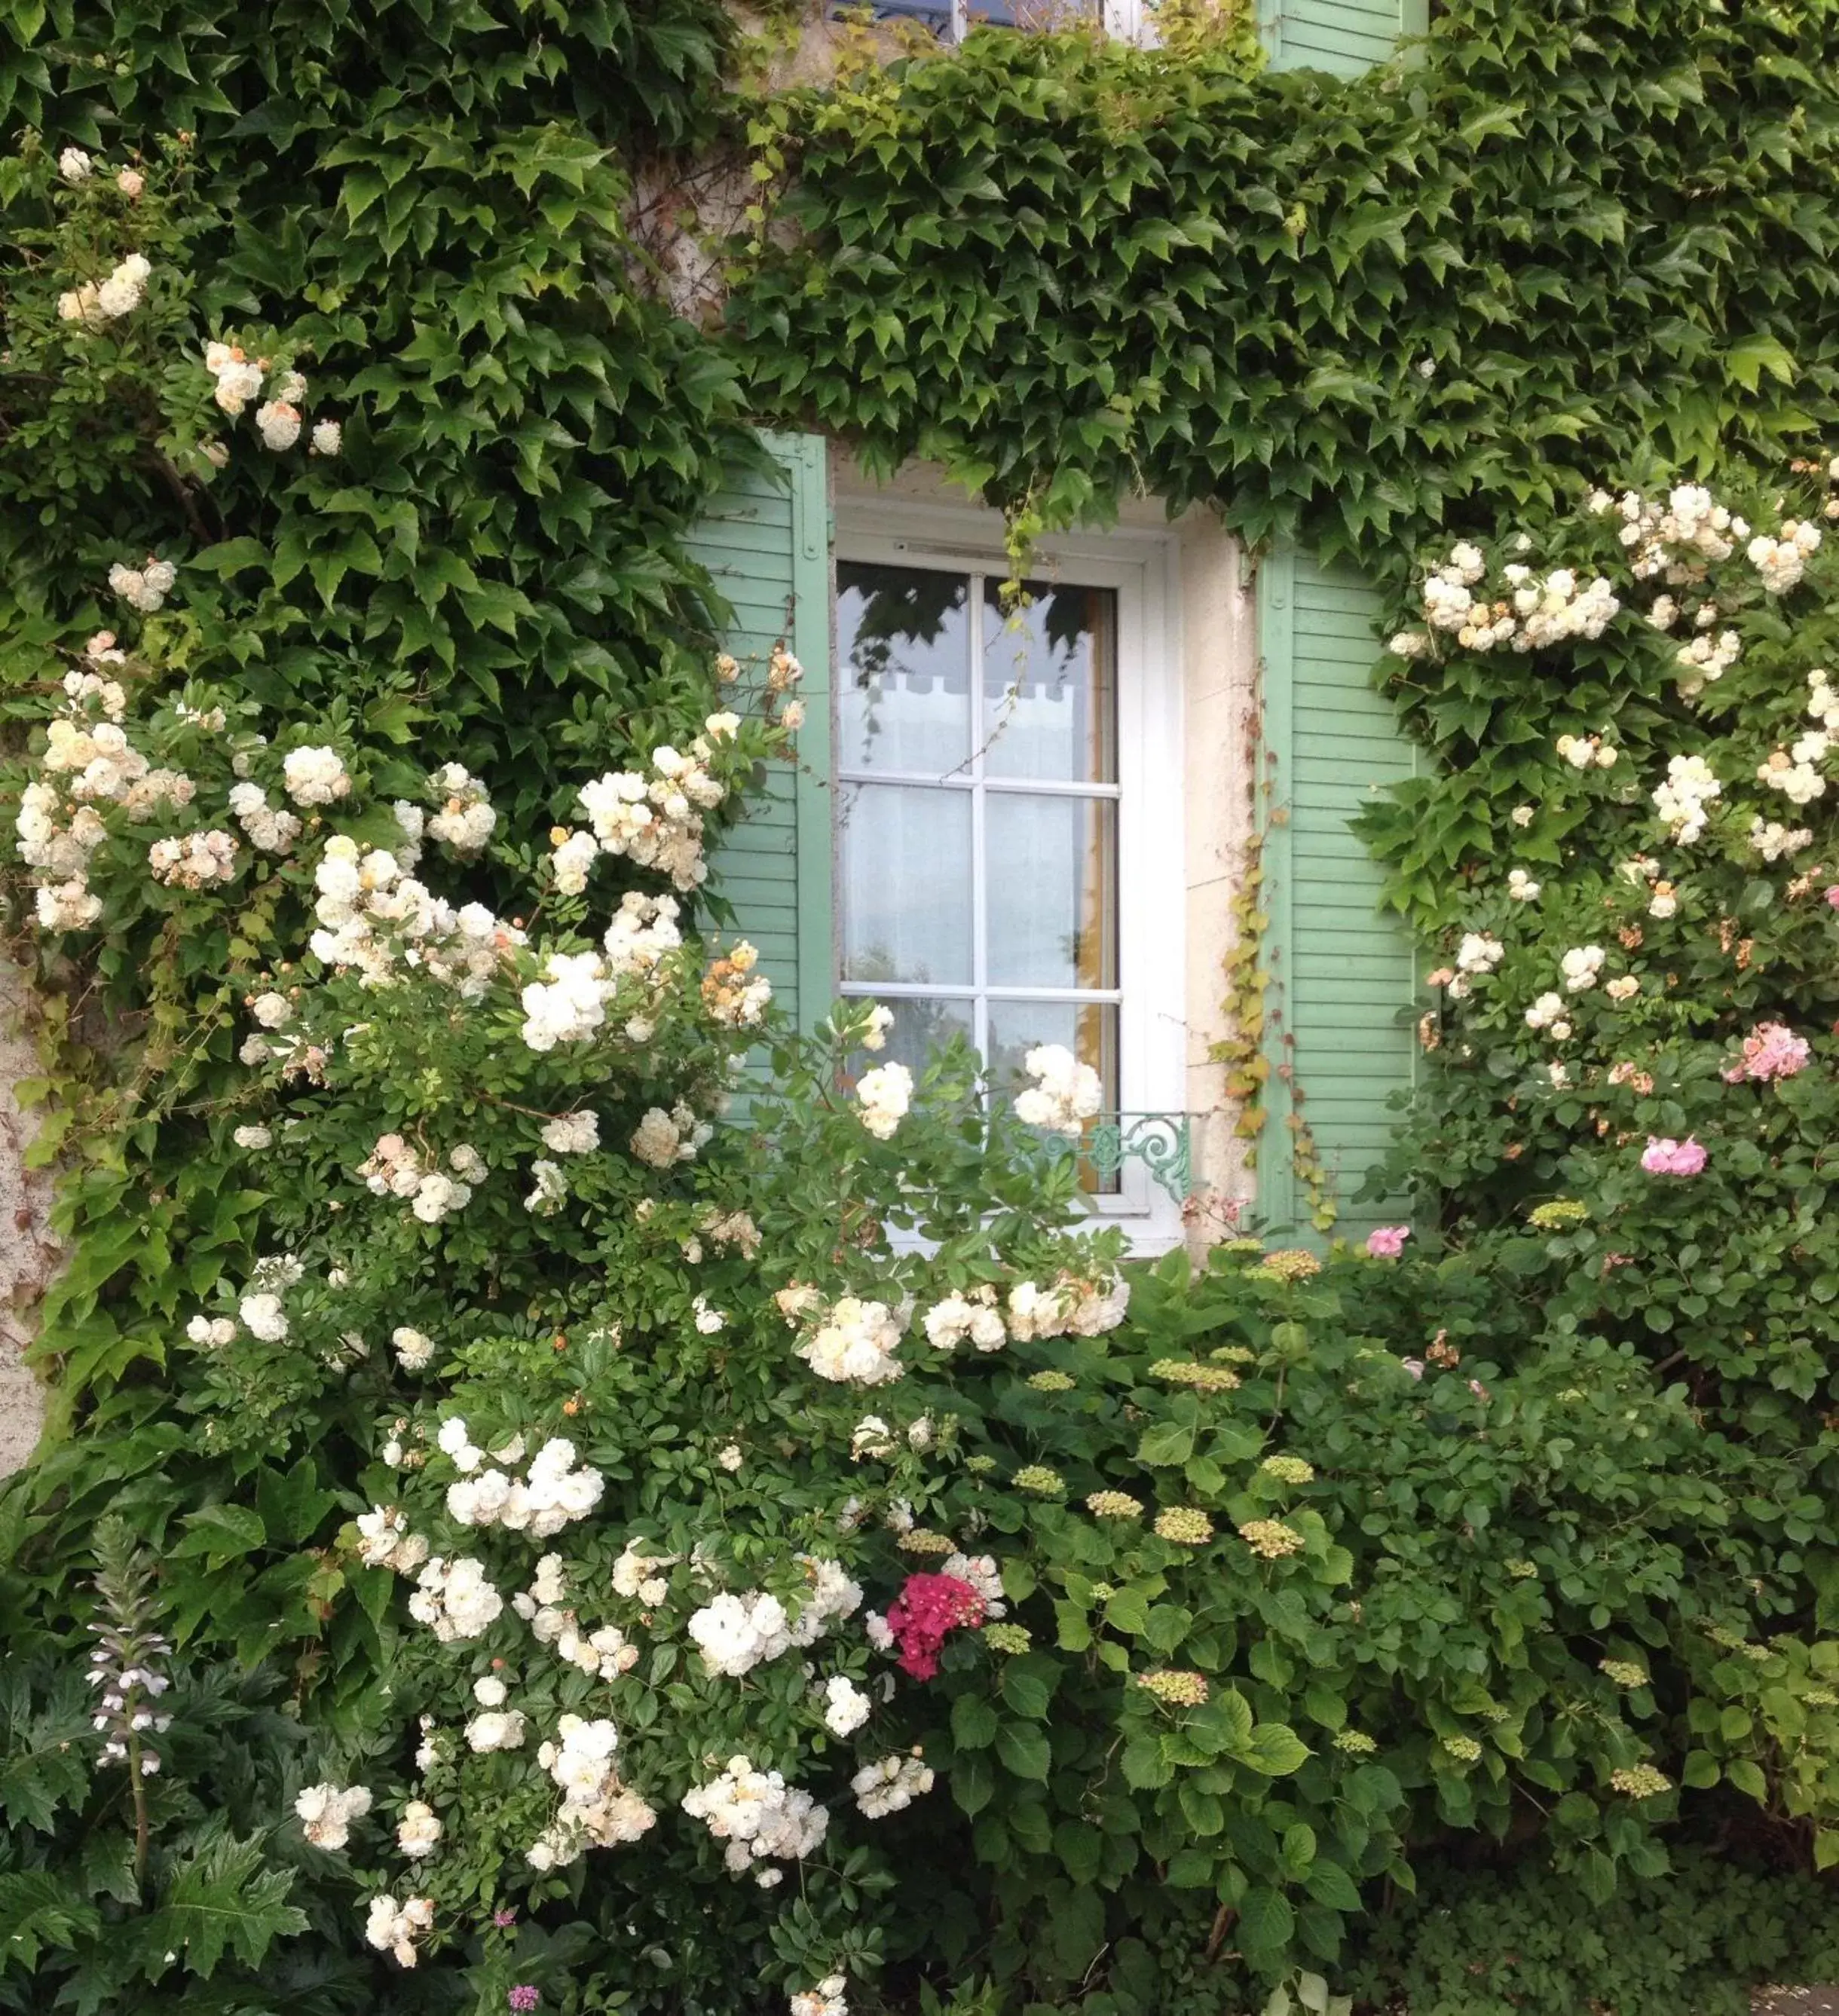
[{"x": 27, "y": 1251}]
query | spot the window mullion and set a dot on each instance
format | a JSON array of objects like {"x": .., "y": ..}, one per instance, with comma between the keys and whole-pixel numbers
[{"x": 980, "y": 964}]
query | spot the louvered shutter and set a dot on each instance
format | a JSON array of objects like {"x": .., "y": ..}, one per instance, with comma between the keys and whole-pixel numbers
[
  {"x": 1341, "y": 1002},
  {"x": 767, "y": 548}
]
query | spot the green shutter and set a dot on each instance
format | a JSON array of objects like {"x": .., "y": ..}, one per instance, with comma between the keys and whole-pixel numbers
[
  {"x": 1339, "y": 1006},
  {"x": 767, "y": 548},
  {"x": 1344, "y": 36}
]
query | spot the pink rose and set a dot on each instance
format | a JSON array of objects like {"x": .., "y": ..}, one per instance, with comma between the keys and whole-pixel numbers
[
  {"x": 1387, "y": 1242},
  {"x": 1665, "y": 1157},
  {"x": 1770, "y": 1050},
  {"x": 1832, "y": 895}
]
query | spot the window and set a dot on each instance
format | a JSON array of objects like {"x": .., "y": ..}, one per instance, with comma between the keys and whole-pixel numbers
[
  {"x": 951, "y": 20},
  {"x": 1008, "y": 791}
]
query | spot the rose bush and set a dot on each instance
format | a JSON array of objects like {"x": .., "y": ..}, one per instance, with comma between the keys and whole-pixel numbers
[{"x": 1626, "y": 1118}]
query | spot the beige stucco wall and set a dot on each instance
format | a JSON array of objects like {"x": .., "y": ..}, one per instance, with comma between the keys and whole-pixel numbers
[
  {"x": 681, "y": 215},
  {"x": 1219, "y": 685}
]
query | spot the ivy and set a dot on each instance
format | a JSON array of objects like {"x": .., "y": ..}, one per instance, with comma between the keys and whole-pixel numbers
[
  {"x": 1550, "y": 239},
  {"x": 495, "y": 566}
]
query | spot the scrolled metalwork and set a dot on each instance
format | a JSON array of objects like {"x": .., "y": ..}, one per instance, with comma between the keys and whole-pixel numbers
[{"x": 1163, "y": 1142}]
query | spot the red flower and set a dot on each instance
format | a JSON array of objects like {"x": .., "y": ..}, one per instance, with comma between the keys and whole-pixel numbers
[{"x": 926, "y": 1609}]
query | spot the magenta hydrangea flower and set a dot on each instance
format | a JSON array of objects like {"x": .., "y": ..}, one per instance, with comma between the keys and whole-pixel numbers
[
  {"x": 928, "y": 1608},
  {"x": 1666, "y": 1157},
  {"x": 1387, "y": 1242},
  {"x": 523, "y": 1996},
  {"x": 1832, "y": 895}
]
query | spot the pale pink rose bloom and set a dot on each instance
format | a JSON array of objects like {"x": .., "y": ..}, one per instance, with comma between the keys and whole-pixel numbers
[
  {"x": 1665, "y": 1157},
  {"x": 1770, "y": 1050}
]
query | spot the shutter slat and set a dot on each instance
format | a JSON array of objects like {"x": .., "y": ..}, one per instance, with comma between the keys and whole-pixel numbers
[{"x": 1343, "y": 37}]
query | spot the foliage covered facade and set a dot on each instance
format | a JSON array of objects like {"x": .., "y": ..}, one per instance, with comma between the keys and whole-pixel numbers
[{"x": 405, "y": 1246}]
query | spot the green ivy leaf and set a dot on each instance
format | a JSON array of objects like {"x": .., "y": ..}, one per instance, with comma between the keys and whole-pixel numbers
[{"x": 220, "y": 1533}]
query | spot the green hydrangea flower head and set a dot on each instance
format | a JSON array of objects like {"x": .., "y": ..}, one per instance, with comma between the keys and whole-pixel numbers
[
  {"x": 1270, "y": 1539},
  {"x": 1202, "y": 1377},
  {"x": 1176, "y": 1689},
  {"x": 1288, "y": 1266},
  {"x": 1037, "y": 1479},
  {"x": 1640, "y": 1781}
]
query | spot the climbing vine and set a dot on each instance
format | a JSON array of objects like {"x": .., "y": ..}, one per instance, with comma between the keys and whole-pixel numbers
[
  {"x": 1547, "y": 241},
  {"x": 1580, "y": 237},
  {"x": 1551, "y": 240}
]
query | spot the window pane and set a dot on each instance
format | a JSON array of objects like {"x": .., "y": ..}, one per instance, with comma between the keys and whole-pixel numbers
[
  {"x": 1040, "y": 16},
  {"x": 903, "y": 646},
  {"x": 1050, "y": 687},
  {"x": 1050, "y": 890},
  {"x": 922, "y": 1024},
  {"x": 935, "y": 16},
  {"x": 1088, "y": 1029},
  {"x": 906, "y": 884}
]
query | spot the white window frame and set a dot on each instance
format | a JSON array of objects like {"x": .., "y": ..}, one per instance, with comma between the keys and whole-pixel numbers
[
  {"x": 1130, "y": 21},
  {"x": 1141, "y": 568}
]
